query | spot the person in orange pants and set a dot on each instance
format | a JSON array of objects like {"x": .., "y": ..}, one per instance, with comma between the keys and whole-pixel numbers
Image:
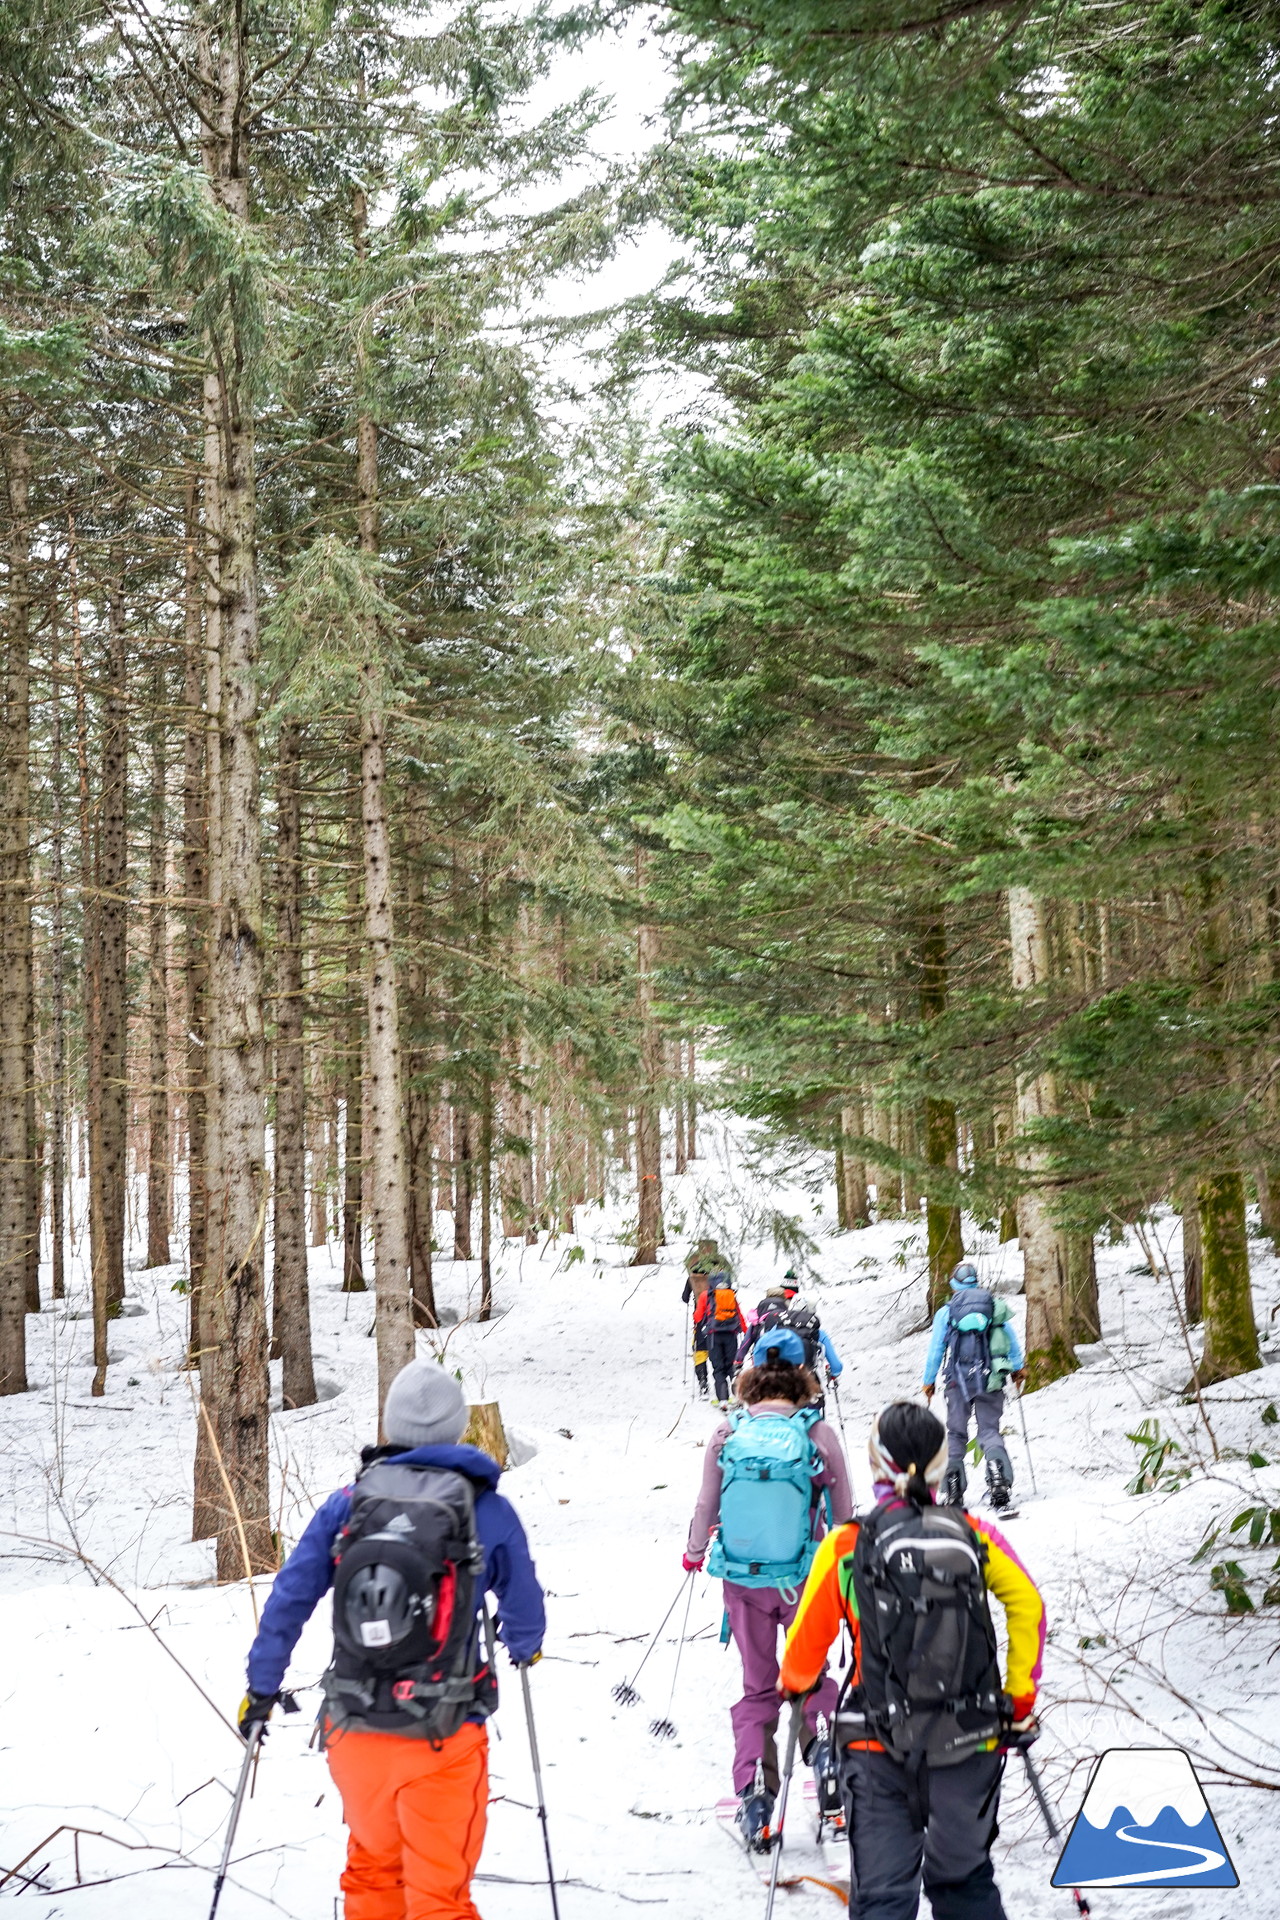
[
  {"x": 417, "y": 1817},
  {"x": 410, "y": 1549}
]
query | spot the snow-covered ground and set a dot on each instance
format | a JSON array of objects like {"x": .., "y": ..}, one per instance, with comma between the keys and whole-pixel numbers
[{"x": 122, "y": 1663}]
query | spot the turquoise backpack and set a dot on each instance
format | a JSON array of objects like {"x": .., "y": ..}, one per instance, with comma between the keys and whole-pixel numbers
[{"x": 768, "y": 1465}]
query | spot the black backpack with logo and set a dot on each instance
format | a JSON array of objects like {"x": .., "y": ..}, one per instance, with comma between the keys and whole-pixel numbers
[
  {"x": 407, "y": 1599},
  {"x": 930, "y": 1677},
  {"x": 802, "y": 1321}
]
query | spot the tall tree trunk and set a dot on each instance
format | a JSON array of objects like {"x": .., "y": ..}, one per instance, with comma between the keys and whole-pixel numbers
[
  {"x": 290, "y": 1295},
  {"x": 389, "y": 1183},
  {"x": 1192, "y": 1254},
  {"x": 15, "y": 927},
  {"x": 420, "y": 1169},
  {"x": 195, "y": 937},
  {"x": 1230, "y": 1331},
  {"x": 159, "y": 1165},
  {"x": 234, "y": 1382},
  {"x": 678, "y": 1104},
  {"x": 649, "y": 1235},
  {"x": 857, "y": 1207},
  {"x": 57, "y": 977},
  {"x": 486, "y": 1200},
  {"x": 1050, "y": 1353},
  {"x": 110, "y": 1175},
  {"x": 462, "y": 1182},
  {"x": 946, "y": 1242},
  {"x": 90, "y": 1143},
  {"x": 691, "y": 1107},
  {"x": 1082, "y": 1288}
]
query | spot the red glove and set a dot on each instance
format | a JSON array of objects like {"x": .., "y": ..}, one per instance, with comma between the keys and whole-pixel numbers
[
  {"x": 1023, "y": 1707},
  {"x": 1024, "y": 1728},
  {"x": 691, "y": 1565}
]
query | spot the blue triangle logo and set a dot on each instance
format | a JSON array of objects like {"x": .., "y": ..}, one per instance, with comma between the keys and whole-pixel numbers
[{"x": 1145, "y": 1823}]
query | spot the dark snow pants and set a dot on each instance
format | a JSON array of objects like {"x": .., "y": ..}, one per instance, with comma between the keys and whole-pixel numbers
[
  {"x": 985, "y": 1410},
  {"x": 941, "y": 1834},
  {"x": 724, "y": 1351}
]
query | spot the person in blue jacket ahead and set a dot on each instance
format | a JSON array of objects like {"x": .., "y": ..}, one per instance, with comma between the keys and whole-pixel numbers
[
  {"x": 976, "y": 1344},
  {"x": 404, "y": 1720}
]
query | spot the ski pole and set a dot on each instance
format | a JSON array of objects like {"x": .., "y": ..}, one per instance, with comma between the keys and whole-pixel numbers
[
  {"x": 793, "y": 1737},
  {"x": 625, "y": 1692},
  {"x": 666, "y": 1729},
  {"x": 1046, "y": 1811},
  {"x": 251, "y": 1746},
  {"x": 537, "y": 1784},
  {"x": 835, "y": 1394},
  {"x": 1031, "y": 1465}
]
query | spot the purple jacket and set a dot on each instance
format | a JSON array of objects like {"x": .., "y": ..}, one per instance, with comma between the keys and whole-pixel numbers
[
  {"x": 307, "y": 1574},
  {"x": 836, "y": 1476}
]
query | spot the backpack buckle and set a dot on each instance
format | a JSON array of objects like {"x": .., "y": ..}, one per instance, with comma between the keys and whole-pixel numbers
[{"x": 403, "y": 1691}]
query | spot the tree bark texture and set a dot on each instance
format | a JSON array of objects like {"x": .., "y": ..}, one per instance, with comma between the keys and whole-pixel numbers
[
  {"x": 857, "y": 1206},
  {"x": 290, "y": 1297},
  {"x": 109, "y": 1171},
  {"x": 945, "y": 1238},
  {"x": 15, "y": 926},
  {"x": 389, "y": 1192},
  {"x": 57, "y": 980},
  {"x": 648, "y": 1106},
  {"x": 1192, "y": 1255},
  {"x": 1230, "y": 1331},
  {"x": 195, "y": 927},
  {"x": 159, "y": 1164},
  {"x": 234, "y": 1384},
  {"x": 1050, "y": 1352},
  {"x": 462, "y": 1182}
]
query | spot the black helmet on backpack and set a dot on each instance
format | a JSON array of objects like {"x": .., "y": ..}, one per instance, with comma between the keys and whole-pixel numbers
[{"x": 381, "y": 1607}]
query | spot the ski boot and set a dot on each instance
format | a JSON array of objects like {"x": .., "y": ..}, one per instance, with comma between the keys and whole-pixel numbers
[
  {"x": 998, "y": 1489},
  {"x": 755, "y": 1811},
  {"x": 819, "y": 1757},
  {"x": 951, "y": 1492}
]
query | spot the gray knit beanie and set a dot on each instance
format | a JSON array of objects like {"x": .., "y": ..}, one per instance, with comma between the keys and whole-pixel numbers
[{"x": 424, "y": 1407}]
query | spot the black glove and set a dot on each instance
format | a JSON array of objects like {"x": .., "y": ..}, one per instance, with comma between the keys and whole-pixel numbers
[{"x": 255, "y": 1710}]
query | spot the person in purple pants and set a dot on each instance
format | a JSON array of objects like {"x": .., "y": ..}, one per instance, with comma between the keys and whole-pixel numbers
[{"x": 774, "y": 1479}]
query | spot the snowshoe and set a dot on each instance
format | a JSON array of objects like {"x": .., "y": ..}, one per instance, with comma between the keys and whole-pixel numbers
[{"x": 951, "y": 1492}]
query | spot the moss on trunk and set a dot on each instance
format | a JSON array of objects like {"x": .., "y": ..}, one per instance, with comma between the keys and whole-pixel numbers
[{"x": 1230, "y": 1334}]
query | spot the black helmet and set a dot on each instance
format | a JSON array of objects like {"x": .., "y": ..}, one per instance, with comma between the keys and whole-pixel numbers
[{"x": 379, "y": 1606}]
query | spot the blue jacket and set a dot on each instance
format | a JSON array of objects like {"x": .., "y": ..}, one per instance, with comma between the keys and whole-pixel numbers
[
  {"x": 938, "y": 1341},
  {"x": 834, "y": 1362},
  {"x": 307, "y": 1574}
]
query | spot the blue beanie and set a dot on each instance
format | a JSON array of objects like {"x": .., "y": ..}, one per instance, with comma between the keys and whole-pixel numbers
[{"x": 780, "y": 1344}]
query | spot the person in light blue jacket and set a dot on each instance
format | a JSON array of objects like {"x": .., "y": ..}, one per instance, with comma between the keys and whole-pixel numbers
[{"x": 975, "y": 1343}]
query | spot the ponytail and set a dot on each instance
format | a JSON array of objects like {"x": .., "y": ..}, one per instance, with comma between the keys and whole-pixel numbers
[{"x": 909, "y": 1449}]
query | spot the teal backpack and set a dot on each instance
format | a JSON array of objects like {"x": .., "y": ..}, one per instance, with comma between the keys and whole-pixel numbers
[{"x": 768, "y": 1465}]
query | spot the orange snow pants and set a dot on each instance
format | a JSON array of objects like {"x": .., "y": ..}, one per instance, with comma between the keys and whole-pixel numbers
[{"x": 417, "y": 1819}]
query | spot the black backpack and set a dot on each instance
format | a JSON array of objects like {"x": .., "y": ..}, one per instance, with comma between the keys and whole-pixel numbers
[
  {"x": 407, "y": 1599},
  {"x": 802, "y": 1321},
  {"x": 930, "y": 1678}
]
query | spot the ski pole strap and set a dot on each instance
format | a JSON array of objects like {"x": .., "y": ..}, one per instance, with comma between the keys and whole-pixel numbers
[{"x": 725, "y": 1634}]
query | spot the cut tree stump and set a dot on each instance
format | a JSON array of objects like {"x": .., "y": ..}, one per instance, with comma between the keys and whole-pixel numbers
[{"x": 485, "y": 1430}]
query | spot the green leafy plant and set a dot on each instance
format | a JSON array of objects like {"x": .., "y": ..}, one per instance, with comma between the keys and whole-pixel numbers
[
  {"x": 1228, "y": 1579},
  {"x": 1263, "y": 1524},
  {"x": 1157, "y": 1450}
]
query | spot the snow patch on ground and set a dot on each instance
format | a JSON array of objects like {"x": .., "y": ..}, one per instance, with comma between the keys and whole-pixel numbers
[{"x": 113, "y": 1630}]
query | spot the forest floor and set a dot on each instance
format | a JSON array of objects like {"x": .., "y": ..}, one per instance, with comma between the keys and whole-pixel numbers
[{"x": 108, "y": 1616}]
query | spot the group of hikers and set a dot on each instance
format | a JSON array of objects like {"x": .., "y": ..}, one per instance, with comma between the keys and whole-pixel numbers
[{"x": 907, "y": 1753}]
